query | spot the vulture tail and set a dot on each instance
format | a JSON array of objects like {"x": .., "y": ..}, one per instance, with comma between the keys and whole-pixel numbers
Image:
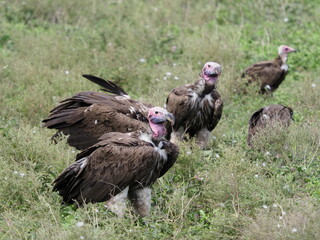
[
  {"x": 108, "y": 86},
  {"x": 67, "y": 184}
]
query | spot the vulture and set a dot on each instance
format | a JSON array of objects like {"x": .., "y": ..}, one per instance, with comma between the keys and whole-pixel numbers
[
  {"x": 267, "y": 115},
  {"x": 197, "y": 107},
  {"x": 120, "y": 166},
  {"x": 86, "y": 116},
  {"x": 269, "y": 73}
]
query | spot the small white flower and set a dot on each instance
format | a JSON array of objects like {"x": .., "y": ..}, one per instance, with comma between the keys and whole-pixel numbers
[
  {"x": 168, "y": 73},
  {"x": 223, "y": 135},
  {"x": 214, "y": 137},
  {"x": 79, "y": 224},
  {"x": 176, "y": 78},
  {"x": 147, "y": 26},
  {"x": 313, "y": 85},
  {"x": 67, "y": 72},
  {"x": 142, "y": 60},
  {"x": 267, "y": 153},
  {"x": 286, "y": 187},
  {"x": 82, "y": 237},
  {"x": 280, "y": 217},
  {"x": 165, "y": 78},
  {"x": 22, "y": 174},
  {"x": 286, "y": 19},
  {"x": 199, "y": 63},
  {"x": 109, "y": 44},
  {"x": 174, "y": 64},
  {"x": 264, "y": 164},
  {"x": 257, "y": 175},
  {"x": 234, "y": 141},
  {"x": 73, "y": 151},
  {"x": 265, "y": 206},
  {"x": 33, "y": 131},
  {"x": 257, "y": 164},
  {"x": 242, "y": 160},
  {"x": 274, "y": 205},
  {"x": 278, "y": 225},
  {"x": 217, "y": 155},
  {"x": 155, "y": 9},
  {"x": 188, "y": 153},
  {"x": 15, "y": 172},
  {"x": 294, "y": 230}
]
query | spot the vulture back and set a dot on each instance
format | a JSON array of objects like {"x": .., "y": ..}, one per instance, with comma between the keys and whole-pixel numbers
[{"x": 267, "y": 115}]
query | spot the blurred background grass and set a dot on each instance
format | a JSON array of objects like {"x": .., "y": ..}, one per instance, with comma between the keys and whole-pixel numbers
[{"x": 150, "y": 47}]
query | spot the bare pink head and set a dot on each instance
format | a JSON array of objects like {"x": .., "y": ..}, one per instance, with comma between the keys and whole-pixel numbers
[
  {"x": 211, "y": 72},
  {"x": 157, "y": 117},
  {"x": 284, "y": 50}
]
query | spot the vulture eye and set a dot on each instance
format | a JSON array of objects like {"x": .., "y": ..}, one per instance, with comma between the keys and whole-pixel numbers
[
  {"x": 286, "y": 49},
  {"x": 209, "y": 65},
  {"x": 156, "y": 112}
]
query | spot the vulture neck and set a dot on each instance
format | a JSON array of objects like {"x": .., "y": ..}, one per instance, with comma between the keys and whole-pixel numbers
[
  {"x": 201, "y": 88},
  {"x": 283, "y": 58},
  {"x": 158, "y": 130}
]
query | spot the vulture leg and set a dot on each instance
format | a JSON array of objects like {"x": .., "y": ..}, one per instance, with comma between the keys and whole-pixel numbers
[
  {"x": 202, "y": 138},
  {"x": 177, "y": 136},
  {"x": 141, "y": 201},
  {"x": 117, "y": 203}
]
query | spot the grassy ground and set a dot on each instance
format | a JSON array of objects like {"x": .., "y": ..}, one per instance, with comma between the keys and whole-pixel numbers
[{"x": 230, "y": 192}]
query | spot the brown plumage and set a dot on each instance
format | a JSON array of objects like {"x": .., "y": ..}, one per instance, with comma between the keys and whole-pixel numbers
[
  {"x": 270, "y": 73},
  {"x": 86, "y": 116},
  {"x": 120, "y": 165},
  {"x": 267, "y": 115},
  {"x": 197, "y": 107}
]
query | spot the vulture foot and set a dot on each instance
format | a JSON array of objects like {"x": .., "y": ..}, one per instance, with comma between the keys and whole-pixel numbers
[
  {"x": 117, "y": 204},
  {"x": 141, "y": 201},
  {"x": 202, "y": 138}
]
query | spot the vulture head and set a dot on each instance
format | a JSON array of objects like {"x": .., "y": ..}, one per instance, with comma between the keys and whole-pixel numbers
[
  {"x": 284, "y": 50},
  {"x": 157, "y": 117},
  {"x": 210, "y": 72}
]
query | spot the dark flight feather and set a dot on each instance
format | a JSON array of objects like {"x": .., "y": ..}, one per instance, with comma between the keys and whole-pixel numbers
[
  {"x": 107, "y": 85},
  {"x": 86, "y": 116}
]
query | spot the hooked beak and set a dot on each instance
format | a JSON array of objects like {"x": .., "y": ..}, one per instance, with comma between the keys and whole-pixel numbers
[
  {"x": 167, "y": 117},
  {"x": 170, "y": 118},
  {"x": 292, "y": 50}
]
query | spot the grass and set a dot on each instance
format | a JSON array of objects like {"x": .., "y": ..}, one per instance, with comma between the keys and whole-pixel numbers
[{"x": 230, "y": 192}]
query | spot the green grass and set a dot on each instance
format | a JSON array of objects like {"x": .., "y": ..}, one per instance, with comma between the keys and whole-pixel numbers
[{"x": 230, "y": 192}]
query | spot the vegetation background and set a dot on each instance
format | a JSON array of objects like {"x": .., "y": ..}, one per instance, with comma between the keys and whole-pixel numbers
[{"x": 150, "y": 47}]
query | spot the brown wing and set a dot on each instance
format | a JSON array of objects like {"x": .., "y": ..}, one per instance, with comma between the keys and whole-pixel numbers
[
  {"x": 217, "y": 110},
  {"x": 268, "y": 73},
  {"x": 178, "y": 103},
  {"x": 108, "y": 167},
  {"x": 267, "y": 115},
  {"x": 172, "y": 153},
  {"x": 88, "y": 115}
]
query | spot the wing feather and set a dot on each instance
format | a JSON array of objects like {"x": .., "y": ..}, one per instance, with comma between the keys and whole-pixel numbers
[
  {"x": 88, "y": 115},
  {"x": 110, "y": 168}
]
